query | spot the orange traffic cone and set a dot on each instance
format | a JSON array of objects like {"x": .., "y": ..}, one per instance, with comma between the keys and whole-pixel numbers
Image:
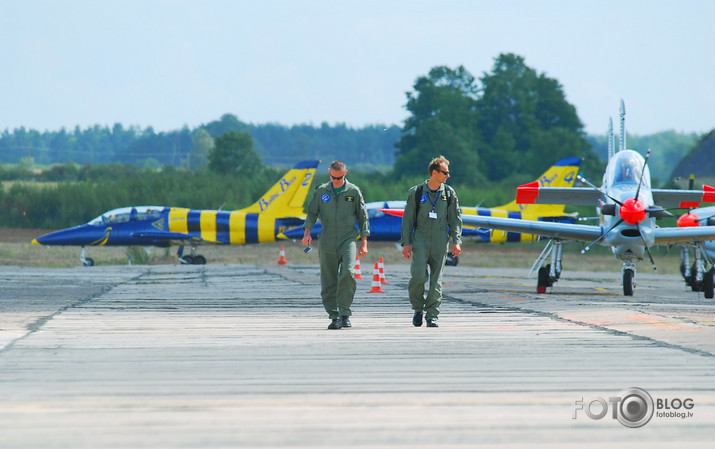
[
  {"x": 282, "y": 259},
  {"x": 376, "y": 287},
  {"x": 382, "y": 272},
  {"x": 358, "y": 273}
]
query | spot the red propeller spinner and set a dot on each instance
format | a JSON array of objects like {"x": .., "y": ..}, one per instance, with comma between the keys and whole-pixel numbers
[
  {"x": 688, "y": 220},
  {"x": 633, "y": 211}
]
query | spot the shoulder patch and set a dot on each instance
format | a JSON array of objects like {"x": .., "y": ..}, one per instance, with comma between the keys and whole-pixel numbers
[{"x": 325, "y": 198}]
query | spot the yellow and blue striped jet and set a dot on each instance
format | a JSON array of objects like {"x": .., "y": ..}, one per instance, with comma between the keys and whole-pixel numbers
[
  {"x": 562, "y": 174},
  {"x": 279, "y": 209}
]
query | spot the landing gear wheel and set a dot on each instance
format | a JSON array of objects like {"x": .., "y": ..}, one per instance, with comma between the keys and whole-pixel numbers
[
  {"x": 88, "y": 262},
  {"x": 693, "y": 279},
  {"x": 543, "y": 280},
  {"x": 628, "y": 284},
  {"x": 708, "y": 283},
  {"x": 199, "y": 260},
  {"x": 189, "y": 260}
]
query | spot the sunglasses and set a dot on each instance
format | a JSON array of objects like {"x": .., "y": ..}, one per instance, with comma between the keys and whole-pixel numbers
[
  {"x": 444, "y": 172},
  {"x": 337, "y": 178}
]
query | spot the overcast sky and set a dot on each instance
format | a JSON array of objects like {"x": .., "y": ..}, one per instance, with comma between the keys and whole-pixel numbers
[{"x": 167, "y": 64}]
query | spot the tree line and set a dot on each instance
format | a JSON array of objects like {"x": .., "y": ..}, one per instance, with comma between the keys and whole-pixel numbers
[{"x": 370, "y": 147}]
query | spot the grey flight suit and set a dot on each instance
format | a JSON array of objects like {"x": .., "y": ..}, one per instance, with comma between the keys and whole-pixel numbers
[
  {"x": 430, "y": 239},
  {"x": 337, "y": 242}
]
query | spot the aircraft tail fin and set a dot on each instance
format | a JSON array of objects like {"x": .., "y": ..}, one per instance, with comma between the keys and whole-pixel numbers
[
  {"x": 562, "y": 174},
  {"x": 286, "y": 197}
]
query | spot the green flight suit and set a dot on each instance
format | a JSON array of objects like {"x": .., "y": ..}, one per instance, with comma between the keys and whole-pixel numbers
[
  {"x": 430, "y": 239},
  {"x": 337, "y": 242}
]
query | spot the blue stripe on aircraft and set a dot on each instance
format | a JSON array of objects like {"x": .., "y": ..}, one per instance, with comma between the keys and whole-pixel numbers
[
  {"x": 193, "y": 221},
  {"x": 306, "y": 164},
  {"x": 223, "y": 226},
  {"x": 513, "y": 236},
  {"x": 569, "y": 162},
  {"x": 251, "y": 228}
]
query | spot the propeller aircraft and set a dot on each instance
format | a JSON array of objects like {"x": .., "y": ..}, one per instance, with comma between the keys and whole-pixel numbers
[
  {"x": 627, "y": 206},
  {"x": 278, "y": 210}
]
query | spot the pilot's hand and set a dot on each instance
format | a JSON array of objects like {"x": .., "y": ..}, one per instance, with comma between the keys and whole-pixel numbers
[
  {"x": 307, "y": 240},
  {"x": 363, "y": 248},
  {"x": 456, "y": 249},
  {"x": 407, "y": 251}
]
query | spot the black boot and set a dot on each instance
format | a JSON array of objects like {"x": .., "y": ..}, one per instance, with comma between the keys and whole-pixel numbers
[
  {"x": 335, "y": 324},
  {"x": 345, "y": 321},
  {"x": 417, "y": 319},
  {"x": 432, "y": 322}
]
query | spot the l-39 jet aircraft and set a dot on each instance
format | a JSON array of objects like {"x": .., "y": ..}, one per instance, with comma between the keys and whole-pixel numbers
[
  {"x": 627, "y": 208},
  {"x": 280, "y": 209},
  {"x": 386, "y": 227}
]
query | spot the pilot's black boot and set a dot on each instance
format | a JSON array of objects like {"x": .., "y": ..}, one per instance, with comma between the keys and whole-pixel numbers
[
  {"x": 417, "y": 319},
  {"x": 335, "y": 324}
]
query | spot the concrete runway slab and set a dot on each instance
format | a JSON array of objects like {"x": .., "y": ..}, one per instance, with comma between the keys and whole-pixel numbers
[{"x": 239, "y": 356}]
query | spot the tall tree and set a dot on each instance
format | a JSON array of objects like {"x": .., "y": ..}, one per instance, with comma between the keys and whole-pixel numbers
[
  {"x": 233, "y": 154},
  {"x": 444, "y": 121},
  {"x": 526, "y": 120}
]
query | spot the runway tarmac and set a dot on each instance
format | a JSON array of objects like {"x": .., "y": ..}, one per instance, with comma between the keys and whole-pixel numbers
[{"x": 223, "y": 356}]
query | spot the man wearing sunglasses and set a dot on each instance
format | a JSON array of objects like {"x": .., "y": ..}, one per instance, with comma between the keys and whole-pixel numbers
[
  {"x": 432, "y": 221},
  {"x": 339, "y": 205}
]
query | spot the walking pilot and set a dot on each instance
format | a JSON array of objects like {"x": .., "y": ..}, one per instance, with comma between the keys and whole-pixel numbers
[
  {"x": 432, "y": 221},
  {"x": 339, "y": 205}
]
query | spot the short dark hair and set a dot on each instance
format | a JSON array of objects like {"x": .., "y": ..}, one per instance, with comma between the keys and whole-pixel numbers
[
  {"x": 436, "y": 162},
  {"x": 338, "y": 166}
]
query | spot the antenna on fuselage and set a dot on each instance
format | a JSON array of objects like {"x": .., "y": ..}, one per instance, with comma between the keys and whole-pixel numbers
[
  {"x": 622, "y": 146},
  {"x": 611, "y": 142}
]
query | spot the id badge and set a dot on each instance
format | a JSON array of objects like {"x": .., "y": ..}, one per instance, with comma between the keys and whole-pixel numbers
[{"x": 433, "y": 215}]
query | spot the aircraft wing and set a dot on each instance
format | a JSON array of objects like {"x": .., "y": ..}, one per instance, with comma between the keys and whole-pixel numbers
[
  {"x": 682, "y": 235},
  {"x": 683, "y": 198},
  {"x": 174, "y": 237},
  {"x": 532, "y": 193},
  {"x": 564, "y": 231}
]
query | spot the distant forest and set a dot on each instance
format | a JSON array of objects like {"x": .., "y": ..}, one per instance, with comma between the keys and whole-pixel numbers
[{"x": 368, "y": 148}]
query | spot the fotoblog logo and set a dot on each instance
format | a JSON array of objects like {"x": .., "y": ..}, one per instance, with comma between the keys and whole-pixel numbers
[{"x": 633, "y": 407}]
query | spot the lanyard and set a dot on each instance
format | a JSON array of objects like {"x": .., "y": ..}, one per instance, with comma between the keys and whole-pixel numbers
[{"x": 433, "y": 203}]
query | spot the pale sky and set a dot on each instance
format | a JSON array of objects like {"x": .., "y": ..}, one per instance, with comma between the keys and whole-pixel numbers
[{"x": 167, "y": 64}]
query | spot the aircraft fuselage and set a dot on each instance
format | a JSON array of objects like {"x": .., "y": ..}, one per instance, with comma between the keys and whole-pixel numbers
[{"x": 166, "y": 226}]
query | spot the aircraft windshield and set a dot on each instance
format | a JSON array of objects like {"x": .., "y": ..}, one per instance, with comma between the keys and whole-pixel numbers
[
  {"x": 628, "y": 168},
  {"x": 125, "y": 214}
]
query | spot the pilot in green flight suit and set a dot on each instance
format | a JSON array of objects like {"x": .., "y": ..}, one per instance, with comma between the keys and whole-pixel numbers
[
  {"x": 339, "y": 205},
  {"x": 427, "y": 231}
]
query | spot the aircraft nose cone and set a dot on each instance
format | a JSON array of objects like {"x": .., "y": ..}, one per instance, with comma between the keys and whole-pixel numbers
[
  {"x": 633, "y": 211},
  {"x": 79, "y": 235}
]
